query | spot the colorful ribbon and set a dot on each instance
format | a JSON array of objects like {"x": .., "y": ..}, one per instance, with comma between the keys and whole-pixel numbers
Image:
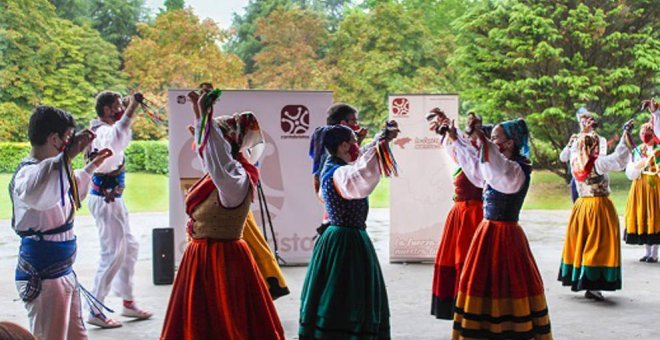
[
  {"x": 73, "y": 184},
  {"x": 386, "y": 162}
]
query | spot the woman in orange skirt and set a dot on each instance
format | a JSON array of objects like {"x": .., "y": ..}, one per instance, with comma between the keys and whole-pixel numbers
[
  {"x": 591, "y": 259},
  {"x": 643, "y": 206},
  {"x": 500, "y": 292},
  {"x": 460, "y": 225},
  {"x": 218, "y": 292}
]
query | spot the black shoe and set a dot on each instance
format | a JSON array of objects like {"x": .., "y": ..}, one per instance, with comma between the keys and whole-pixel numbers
[
  {"x": 651, "y": 259},
  {"x": 594, "y": 295},
  {"x": 643, "y": 259}
]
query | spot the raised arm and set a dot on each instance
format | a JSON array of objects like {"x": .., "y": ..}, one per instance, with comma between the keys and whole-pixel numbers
[
  {"x": 616, "y": 161},
  {"x": 501, "y": 173},
  {"x": 359, "y": 179},
  {"x": 467, "y": 157},
  {"x": 227, "y": 174}
]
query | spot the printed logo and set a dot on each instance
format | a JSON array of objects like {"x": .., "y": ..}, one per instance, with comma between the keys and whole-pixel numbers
[
  {"x": 294, "y": 120},
  {"x": 400, "y": 107},
  {"x": 181, "y": 99}
]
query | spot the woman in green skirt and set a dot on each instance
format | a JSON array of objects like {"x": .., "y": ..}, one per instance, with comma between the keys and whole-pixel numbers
[{"x": 344, "y": 294}]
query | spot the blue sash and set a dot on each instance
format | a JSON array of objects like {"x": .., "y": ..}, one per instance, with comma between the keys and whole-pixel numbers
[
  {"x": 104, "y": 185},
  {"x": 41, "y": 260}
]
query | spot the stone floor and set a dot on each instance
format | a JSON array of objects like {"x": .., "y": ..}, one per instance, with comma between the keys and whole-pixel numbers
[{"x": 631, "y": 313}]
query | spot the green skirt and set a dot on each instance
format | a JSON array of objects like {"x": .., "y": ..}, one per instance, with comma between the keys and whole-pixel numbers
[{"x": 344, "y": 294}]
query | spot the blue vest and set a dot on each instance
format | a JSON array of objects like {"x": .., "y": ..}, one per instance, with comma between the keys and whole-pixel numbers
[
  {"x": 341, "y": 212},
  {"x": 506, "y": 207}
]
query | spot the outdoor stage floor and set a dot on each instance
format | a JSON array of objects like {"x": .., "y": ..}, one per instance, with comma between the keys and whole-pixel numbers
[{"x": 631, "y": 313}]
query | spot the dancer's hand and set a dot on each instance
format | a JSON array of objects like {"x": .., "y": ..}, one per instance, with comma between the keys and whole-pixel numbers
[
  {"x": 650, "y": 104},
  {"x": 101, "y": 156},
  {"x": 194, "y": 99},
  {"x": 391, "y": 130},
  {"x": 452, "y": 132},
  {"x": 79, "y": 142}
]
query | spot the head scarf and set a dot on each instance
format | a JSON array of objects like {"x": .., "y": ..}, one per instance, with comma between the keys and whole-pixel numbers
[
  {"x": 516, "y": 129},
  {"x": 316, "y": 150},
  {"x": 583, "y": 161},
  {"x": 242, "y": 130}
]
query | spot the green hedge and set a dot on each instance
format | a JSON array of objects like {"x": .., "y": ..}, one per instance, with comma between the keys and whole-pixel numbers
[{"x": 141, "y": 156}]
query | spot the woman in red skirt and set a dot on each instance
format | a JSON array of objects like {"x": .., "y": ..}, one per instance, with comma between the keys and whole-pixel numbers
[
  {"x": 218, "y": 292},
  {"x": 462, "y": 220},
  {"x": 500, "y": 292}
]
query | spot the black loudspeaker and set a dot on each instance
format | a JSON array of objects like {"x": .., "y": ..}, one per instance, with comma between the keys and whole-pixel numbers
[{"x": 163, "y": 255}]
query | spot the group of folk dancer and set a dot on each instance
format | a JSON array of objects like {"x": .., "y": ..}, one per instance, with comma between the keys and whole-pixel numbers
[{"x": 486, "y": 279}]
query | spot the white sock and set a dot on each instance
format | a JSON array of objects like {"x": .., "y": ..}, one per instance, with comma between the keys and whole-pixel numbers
[
  {"x": 648, "y": 250},
  {"x": 654, "y": 251}
]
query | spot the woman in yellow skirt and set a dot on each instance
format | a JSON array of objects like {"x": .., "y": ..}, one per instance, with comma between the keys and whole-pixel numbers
[
  {"x": 591, "y": 259},
  {"x": 643, "y": 207}
]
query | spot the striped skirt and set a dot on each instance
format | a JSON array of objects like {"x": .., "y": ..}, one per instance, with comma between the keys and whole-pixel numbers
[{"x": 500, "y": 290}]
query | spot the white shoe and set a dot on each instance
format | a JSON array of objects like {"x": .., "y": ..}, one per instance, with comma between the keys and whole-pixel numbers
[
  {"x": 135, "y": 312},
  {"x": 103, "y": 321}
]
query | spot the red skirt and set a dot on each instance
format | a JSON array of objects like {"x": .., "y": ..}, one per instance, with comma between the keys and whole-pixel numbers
[
  {"x": 461, "y": 223},
  {"x": 218, "y": 294},
  {"x": 500, "y": 291}
]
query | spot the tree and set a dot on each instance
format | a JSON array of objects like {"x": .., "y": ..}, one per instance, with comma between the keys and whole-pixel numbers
[
  {"x": 180, "y": 51},
  {"x": 386, "y": 49},
  {"x": 243, "y": 41},
  {"x": 117, "y": 20},
  {"x": 173, "y": 5},
  {"x": 13, "y": 123},
  {"x": 289, "y": 58},
  {"x": 77, "y": 11},
  {"x": 65, "y": 67},
  {"x": 543, "y": 61}
]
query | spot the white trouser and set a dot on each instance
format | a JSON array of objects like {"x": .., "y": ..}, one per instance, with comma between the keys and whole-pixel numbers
[
  {"x": 119, "y": 248},
  {"x": 55, "y": 313}
]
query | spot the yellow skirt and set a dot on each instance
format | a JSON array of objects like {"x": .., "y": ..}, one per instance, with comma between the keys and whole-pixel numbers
[
  {"x": 592, "y": 250},
  {"x": 643, "y": 211},
  {"x": 264, "y": 257}
]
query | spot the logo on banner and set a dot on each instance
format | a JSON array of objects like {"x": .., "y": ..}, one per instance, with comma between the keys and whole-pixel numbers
[
  {"x": 181, "y": 99},
  {"x": 294, "y": 121},
  {"x": 400, "y": 107}
]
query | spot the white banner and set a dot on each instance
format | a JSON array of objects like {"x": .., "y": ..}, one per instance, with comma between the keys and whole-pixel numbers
[
  {"x": 424, "y": 185},
  {"x": 287, "y": 119}
]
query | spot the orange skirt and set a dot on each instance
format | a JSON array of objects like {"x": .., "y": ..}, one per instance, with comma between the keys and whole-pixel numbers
[
  {"x": 219, "y": 294},
  {"x": 500, "y": 290},
  {"x": 461, "y": 223}
]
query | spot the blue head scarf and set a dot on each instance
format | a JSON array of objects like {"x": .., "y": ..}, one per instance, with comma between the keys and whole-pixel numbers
[
  {"x": 316, "y": 150},
  {"x": 516, "y": 129}
]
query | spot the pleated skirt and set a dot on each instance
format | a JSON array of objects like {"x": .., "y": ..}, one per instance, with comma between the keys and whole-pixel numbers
[
  {"x": 218, "y": 293},
  {"x": 344, "y": 295},
  {"x": 591, "y": 258},
  {"x": 643, "y": 211},
  {"x": 460, "y": 225},
  {"x": 500, "y": 293}
]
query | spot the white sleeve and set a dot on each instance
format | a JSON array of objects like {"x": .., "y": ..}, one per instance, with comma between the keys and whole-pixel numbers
[
  {"x": 84, "y": 179},
  {"x": 501, "y": 173},
  {"x": 227, "y": 174},
  {"x": 602, "y": 144},
  {"x": 38, "y": 186},
  {"x": 116, "y": 137},
  {"x": 358, "y": 180},
  {"x": 565, "y": 154},
  {"x": 633, "y": 172},
  {"x": 467, "y": 157},
  {"x": 616, "y": 161}
]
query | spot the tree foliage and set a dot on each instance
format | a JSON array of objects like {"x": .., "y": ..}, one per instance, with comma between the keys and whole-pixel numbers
[
  {"x": 544, "y": 60},
  {"x": 179, "y": 51},
  {"x": 291, "y": 41},
  {"x": 386, "y": 49},
  {"x": 117, "y": 20},
  {"x": 173, "y": 5},
  {"x": 64, "y": 68}
]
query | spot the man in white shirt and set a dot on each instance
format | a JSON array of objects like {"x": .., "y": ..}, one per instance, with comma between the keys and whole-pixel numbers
[
  {"x": 119, "y": 248},
  {"x": 45, "y": 193}
]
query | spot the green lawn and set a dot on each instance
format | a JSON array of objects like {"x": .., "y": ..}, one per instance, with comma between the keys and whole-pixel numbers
[
  {"x": 148, "y": 192},
  {"x": 144, "y": 192}
]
